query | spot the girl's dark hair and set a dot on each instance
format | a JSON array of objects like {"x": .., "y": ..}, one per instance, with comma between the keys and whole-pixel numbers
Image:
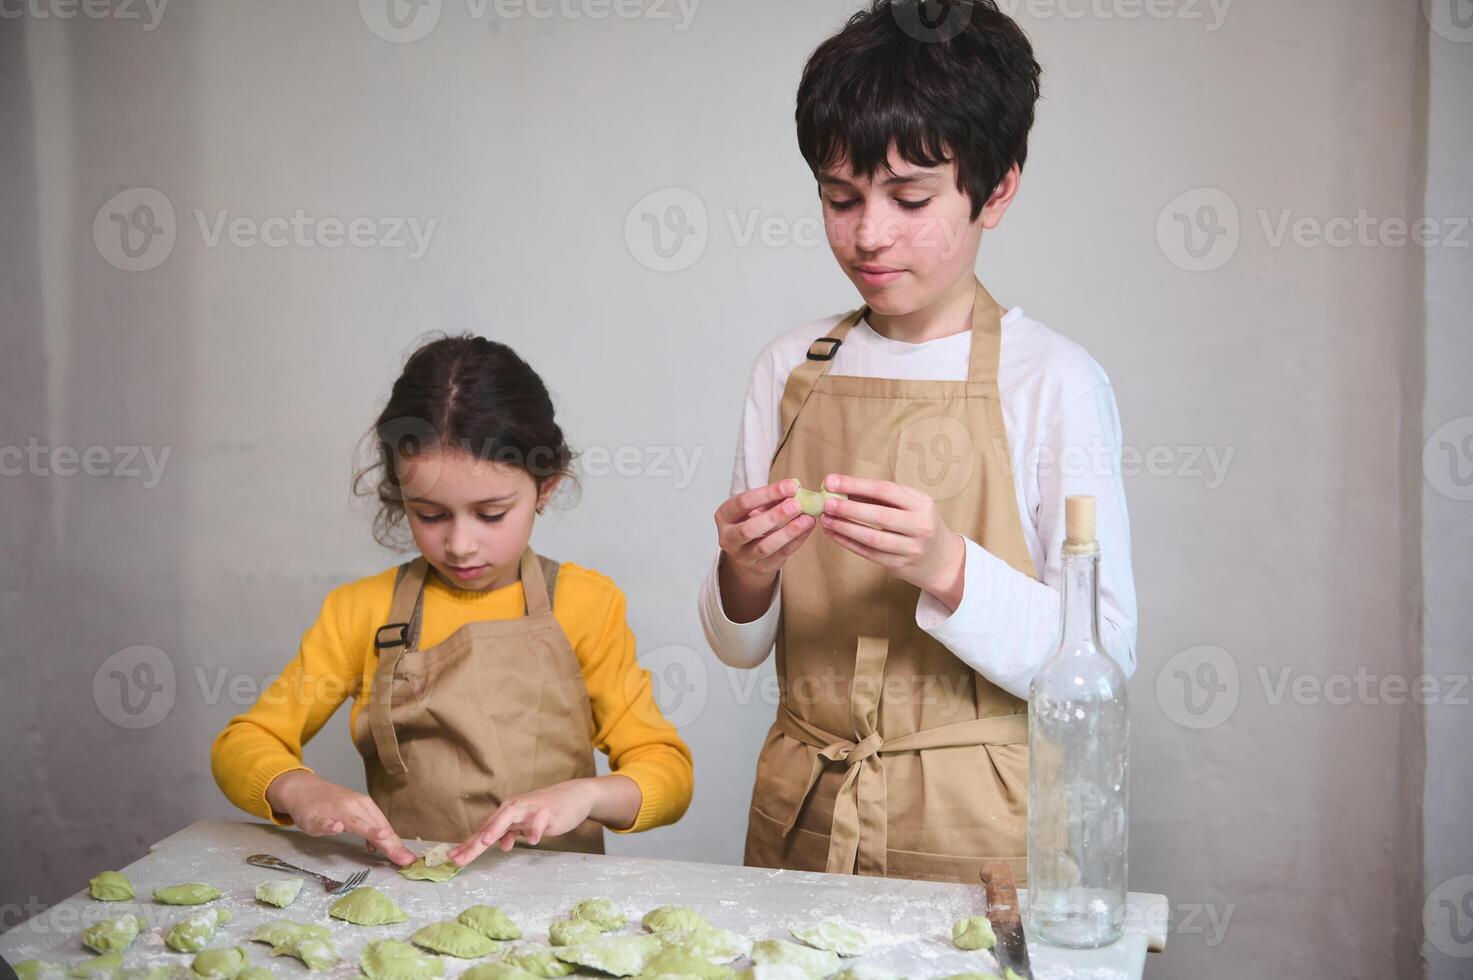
[
  {"x": 939, "y": 79},
  {"x": 462, "y": 393}
]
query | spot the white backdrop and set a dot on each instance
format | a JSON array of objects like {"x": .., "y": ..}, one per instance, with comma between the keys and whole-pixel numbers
[{"x": 1178, "y": 217}]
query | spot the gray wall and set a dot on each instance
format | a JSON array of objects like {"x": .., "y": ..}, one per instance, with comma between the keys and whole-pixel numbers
[{"x": 1271, "y": 391}]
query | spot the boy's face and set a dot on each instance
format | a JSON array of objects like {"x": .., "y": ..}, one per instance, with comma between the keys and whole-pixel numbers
[
  {"x": 471, "y": 518},
  {"x": 904, "y": 237}
]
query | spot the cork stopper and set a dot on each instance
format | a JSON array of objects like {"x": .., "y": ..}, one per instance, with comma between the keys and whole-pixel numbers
[{"x": 1079, "y": 526}]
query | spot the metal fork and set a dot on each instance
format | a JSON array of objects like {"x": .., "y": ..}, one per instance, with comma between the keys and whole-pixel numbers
[{"x": 333, "y": 886}]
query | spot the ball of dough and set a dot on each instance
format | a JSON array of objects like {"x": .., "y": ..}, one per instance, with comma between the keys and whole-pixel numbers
[{"x": 973, "y": 932}]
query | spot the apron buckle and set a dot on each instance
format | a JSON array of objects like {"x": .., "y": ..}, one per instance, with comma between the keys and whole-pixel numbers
[
  {"x": 814, "y": 354},
  {"x": 402, "y": 640}
]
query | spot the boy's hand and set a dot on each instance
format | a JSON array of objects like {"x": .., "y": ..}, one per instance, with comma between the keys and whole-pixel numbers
[
  {"x": 547, "y": 812},
  {"x": 321, "y": 808},
  {"x": 759, "y": 528},
  {"x": 900, "y": 530}
]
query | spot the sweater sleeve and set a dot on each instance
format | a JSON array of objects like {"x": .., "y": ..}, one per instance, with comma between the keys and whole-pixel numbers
[
  {"x": 628, "y": 725},
  {"x": 265, "y": 741}
]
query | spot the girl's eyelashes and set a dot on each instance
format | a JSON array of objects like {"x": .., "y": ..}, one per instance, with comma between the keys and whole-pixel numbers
[{"x": 437, "y": 518}]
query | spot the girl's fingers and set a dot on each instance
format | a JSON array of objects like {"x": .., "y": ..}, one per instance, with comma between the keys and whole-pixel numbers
[
  {"x": 370, "y": 823},
  {"x": 766, "y": 547},
  {"x": 767, "y": 522},
  {"x": 539, "y": 826}
]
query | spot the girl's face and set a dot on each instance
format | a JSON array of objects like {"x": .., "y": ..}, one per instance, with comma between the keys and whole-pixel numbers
[
  {"x": 905, "y": 237},
  {"x": 470, "y": 518}
]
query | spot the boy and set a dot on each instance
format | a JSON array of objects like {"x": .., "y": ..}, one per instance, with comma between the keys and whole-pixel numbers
[{"x": 908, "y": 630}]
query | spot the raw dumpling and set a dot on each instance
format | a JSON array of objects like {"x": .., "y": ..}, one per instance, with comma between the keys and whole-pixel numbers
[
  {"x": 38, "y": 970},
  {"x": 781, "y": 953},
  {"x": 112, "y": 935},
  {"x": 159, "y": 971},
  {"x": 110, "y": 886},
  {"x": 394, "y": 959},
  {"x": 811, "y": 502},
  {"x": 674, "y": 918},
  {"x": 571, "y": 932},
  {"x": 420, "y": 871},
  {"x": 224, "y": 963},
  {"x": 835, "y": 934},
  {"x": 194, "y": 893},
  {"x": 601, "y": 912},
  {"x": 973, "y": 932},
  {"x": 711, "y": 944},
  {"x": 538, "y": 961},
  {"x": 620, "y": 956},
  {"x": 490, "y": 922},
  {"x": 194, "y": 932},
  {"x": 253, "y": 973},
  {"x": 97, "y": 968},
  {"x": 496, "y": 971},
  {"x": 454, "y": 939},
  {"x": 673, "y": 962},
  {"x": 367, "y": 907},
  {"x": 283, "y": 932},
  {"x": 279, "y": 893}
]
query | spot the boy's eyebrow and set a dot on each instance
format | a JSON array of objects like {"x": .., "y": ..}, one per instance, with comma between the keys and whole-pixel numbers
[{"x": 919, "y": 177}]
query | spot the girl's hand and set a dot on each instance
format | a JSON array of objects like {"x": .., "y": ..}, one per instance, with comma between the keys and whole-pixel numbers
[
  {"x": 547, "y": 812},
  {"x": 321, "y": 808},
  {"x": 900, "y": 530}
]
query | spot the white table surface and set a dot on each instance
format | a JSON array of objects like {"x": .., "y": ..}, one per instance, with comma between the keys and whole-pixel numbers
[{"x": 536, "y": 887}]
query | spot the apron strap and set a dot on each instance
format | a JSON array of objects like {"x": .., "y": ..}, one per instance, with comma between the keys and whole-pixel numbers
[
  {"x": 804, "y": 377},
  {"x": 986, "y": 337},
  {"x": 534, "y": 587},
  {"x": 856, "y": 834},
  {"x": 392, "y": 641}
]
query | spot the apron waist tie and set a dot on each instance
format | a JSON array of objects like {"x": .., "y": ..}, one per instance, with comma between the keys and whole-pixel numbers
[{"x": 864, "y": 839}]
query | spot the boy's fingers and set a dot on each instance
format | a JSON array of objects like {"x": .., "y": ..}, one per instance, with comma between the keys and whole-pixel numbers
[
  {"x": 875, "y": 515},
  {"x": 765, "y": 523},
  {"x": 882, "y": 491},
  {"x": 749, "y": 500}
]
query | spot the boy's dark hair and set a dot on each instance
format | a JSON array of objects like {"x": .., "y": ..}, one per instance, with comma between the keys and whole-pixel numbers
[
  {"x": 939, "y": 79},
  {"x": 462, "y": 393}
]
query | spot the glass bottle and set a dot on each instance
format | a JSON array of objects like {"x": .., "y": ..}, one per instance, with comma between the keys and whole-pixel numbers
[{"x": 1078, "y": 775}]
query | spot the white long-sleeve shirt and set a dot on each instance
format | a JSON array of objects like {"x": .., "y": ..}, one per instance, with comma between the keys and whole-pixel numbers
[{"x": 1064, "y": 431}]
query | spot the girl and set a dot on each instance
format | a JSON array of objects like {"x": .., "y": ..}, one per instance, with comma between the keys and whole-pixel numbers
[{"x": 484, "y": 674}]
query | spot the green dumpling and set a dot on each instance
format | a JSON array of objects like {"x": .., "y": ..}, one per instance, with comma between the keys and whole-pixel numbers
[
  {"x": 367, "y": 907},
  {"x": 112, "y": 935},
  {"x": 973, "y": 932},
  {"x": 496, "y": 971},
  {"x": 255, "y": 973},
  {"x": 159, "y": 971},
  {"x": 280, "y": 933},
  {"x": 419, "y": 871},
  {"x": 279, "y": 893},
  {"x": 538, "y": 961},
  {"x": 811, "y": 502},
  {"x": 620, "y": 956},
  {"x": 673, "y": 918},
  {"x": 193, "y": 893},
  {"x": 110, "y": 886},
  {"x": 571, "y": 932},
  {"x": 490, "y": 922},
  {"x": 673, "y": 962},
  {"x": 194, "y": 932},
  {"x": 315, "y": 954},
  {"x": 454, "y": 939},
  {"x": 781, "y": 953},
  {"x": 835, "y": 934},
  {"x": 97, "y": 968},
  {"x": 602, "y": 912},
  {"x": 39, "y": 970},
  {"x": 222, "y": 963},
  {"x": 394, "y": 959},
  {"x": 711, "y": 944}
]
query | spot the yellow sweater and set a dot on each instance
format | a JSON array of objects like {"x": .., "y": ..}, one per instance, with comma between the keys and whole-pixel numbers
[{"x": 337, "y": 655}]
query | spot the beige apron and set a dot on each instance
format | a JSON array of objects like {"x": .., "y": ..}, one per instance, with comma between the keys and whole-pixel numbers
[
  {"x": 890, "y": 756},
  {"x": 498, "y": 709}
]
